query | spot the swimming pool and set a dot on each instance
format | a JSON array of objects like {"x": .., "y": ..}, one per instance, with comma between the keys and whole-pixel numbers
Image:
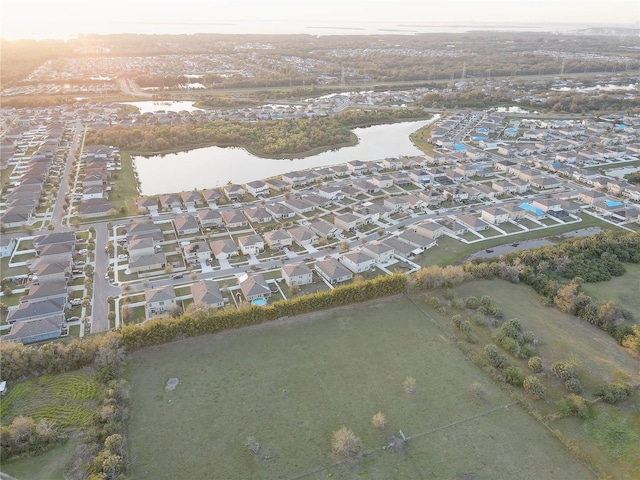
[
  {"x": 260, "y": 302},
  {"x": 530, "y": 208},
  {"x": 613, "y": 203}
]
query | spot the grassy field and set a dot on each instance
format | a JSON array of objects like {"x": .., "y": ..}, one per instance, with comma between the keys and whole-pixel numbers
[
  {"x": 451, "y": 251},
  {"x": 125, "y": 190},
  {"x": 49, "y": 465},
  {"x": 611, "y": 436},
  {"x": 291, "y": 384},
  {"x": 622, "y": 290},
  {"x": 67, "y": 399}
]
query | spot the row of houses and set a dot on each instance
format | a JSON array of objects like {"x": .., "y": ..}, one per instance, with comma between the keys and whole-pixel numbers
[{"x": 40, "y": 315}]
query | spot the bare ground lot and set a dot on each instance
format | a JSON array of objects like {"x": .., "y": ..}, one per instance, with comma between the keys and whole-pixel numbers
[{"x": 291, "y": 384}]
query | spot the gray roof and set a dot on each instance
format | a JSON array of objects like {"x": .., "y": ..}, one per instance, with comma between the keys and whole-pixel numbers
[
  {"x": 254, "y": 285},
  {"x": 31, "y": 310},
  {"x": 296, "y": 269},
  {"x": 159, "y": 294},
  {"x": 43, "y": 328}
]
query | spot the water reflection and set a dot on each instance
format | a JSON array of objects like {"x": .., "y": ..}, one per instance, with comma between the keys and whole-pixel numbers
[{"x": 214, "y": 166}]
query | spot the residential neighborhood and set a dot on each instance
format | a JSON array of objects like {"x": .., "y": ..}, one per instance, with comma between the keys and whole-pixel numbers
[{"x": 490, "y": 176}]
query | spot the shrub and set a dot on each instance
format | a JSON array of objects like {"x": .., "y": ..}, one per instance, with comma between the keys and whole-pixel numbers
[
  {"x": 514, "y": 376},
  {"x": 477, "y": 392},
  {"x": 614, "y": 393},
  {"x": 479, "y": 320},
  {"x": 345, "y": 444},
  {"x": 472, "y": 303},
  {"x": 433, "y": 302},
  {"x": 573, "y": 385},
  {"x": 575, "y": 405},
  {"x": 563, "y": 370},
  {"x": 457, "y": 321},
  {"x": 534, "y": 387},
  {"x": 494, "y": 357},
  {"x": 379, "y": 421},
  {"x": 457, "y": 303},
  {"x": 409, "y": 385},
  {"x": 535, "y": 364}
]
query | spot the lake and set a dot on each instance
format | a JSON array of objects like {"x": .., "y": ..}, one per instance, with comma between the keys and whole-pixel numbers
[{"x": 215, "y": 166}]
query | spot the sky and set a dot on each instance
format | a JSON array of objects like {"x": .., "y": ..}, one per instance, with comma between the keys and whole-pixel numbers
[{"x": 66, "y": 18}]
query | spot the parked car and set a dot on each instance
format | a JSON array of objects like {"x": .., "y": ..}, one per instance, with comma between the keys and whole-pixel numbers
[
  {"x": 123, "y": 256},
  {"x": 75, "y": 302},
  {"x": 176, "y": 276}
]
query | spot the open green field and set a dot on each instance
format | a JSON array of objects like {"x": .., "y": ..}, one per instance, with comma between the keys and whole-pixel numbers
[
  {"x": 49, "y": 465},
  {"x": 624, "y": 290},
  {"x": 610, "y": 437},
  {"x": 291, "y": 384},
  {"x": 125, "y": 190}
]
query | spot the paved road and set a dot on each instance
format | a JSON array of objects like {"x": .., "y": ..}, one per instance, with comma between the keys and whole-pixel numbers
[
  {"x": 102, "y": 288},
  {"x": 58, "y": 213}
]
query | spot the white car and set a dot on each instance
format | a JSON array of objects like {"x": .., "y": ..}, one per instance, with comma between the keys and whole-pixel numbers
[
  {"x": 84, "y": 251},
  {"x": 123, "y": 256}
]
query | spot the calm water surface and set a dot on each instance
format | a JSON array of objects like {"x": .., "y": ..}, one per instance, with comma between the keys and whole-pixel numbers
[{"x": 214, "y": 166}]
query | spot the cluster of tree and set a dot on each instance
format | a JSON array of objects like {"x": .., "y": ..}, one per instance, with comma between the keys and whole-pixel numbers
[
  {"x": 19, "y": 361},
  {"x": 437, "y": 277},
  {"x": 574, "y": 102},
  {"x": 26, "y": 435},
  {"x": 633, "y": 177},
  {"x": 357, "y": 117},
  {"x": 288, "y": 137},
  {"x": 584, "y": 103},
  {"x": 521, "y": 344},
  {"x": 593, "y": 259}
]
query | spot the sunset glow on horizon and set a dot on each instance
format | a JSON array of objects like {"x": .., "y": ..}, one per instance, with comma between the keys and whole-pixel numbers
[{"x": 63, "y": 19}]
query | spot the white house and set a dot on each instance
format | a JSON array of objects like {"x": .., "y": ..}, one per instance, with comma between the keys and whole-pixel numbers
[
  {"x": 297, "y": 273},
  {"x": 358, "y": 261},
  {"x": 159, "y": 300},
  {"x": 251, "y": 244}
]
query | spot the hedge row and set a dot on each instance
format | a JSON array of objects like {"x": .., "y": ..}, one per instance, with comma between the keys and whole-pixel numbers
[{"x": 168, "y": 329}]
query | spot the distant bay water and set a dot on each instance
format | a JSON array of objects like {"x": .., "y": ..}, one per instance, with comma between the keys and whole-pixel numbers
[
  {"x": 73, "y": 29},
  {"x": 215, "y": 166}
]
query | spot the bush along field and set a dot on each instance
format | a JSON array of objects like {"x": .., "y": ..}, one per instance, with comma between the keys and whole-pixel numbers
[
  {"x": 560, "y": 363},
  {"x": 570, "y": 376}
]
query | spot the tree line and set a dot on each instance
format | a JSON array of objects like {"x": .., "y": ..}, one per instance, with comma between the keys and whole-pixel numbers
[
  {"x": 558, "y": 272},
  {"x": 264, "y": 138}
]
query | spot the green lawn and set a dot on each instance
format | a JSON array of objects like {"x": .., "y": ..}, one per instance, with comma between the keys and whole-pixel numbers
[
  {"x": 451, "y": 251},
  {"x": 49, "y": 465},
  {"x": 125, "y": 190},
  {"x": 622, "y": 290},
  {"x": 291, "y": 384}
]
